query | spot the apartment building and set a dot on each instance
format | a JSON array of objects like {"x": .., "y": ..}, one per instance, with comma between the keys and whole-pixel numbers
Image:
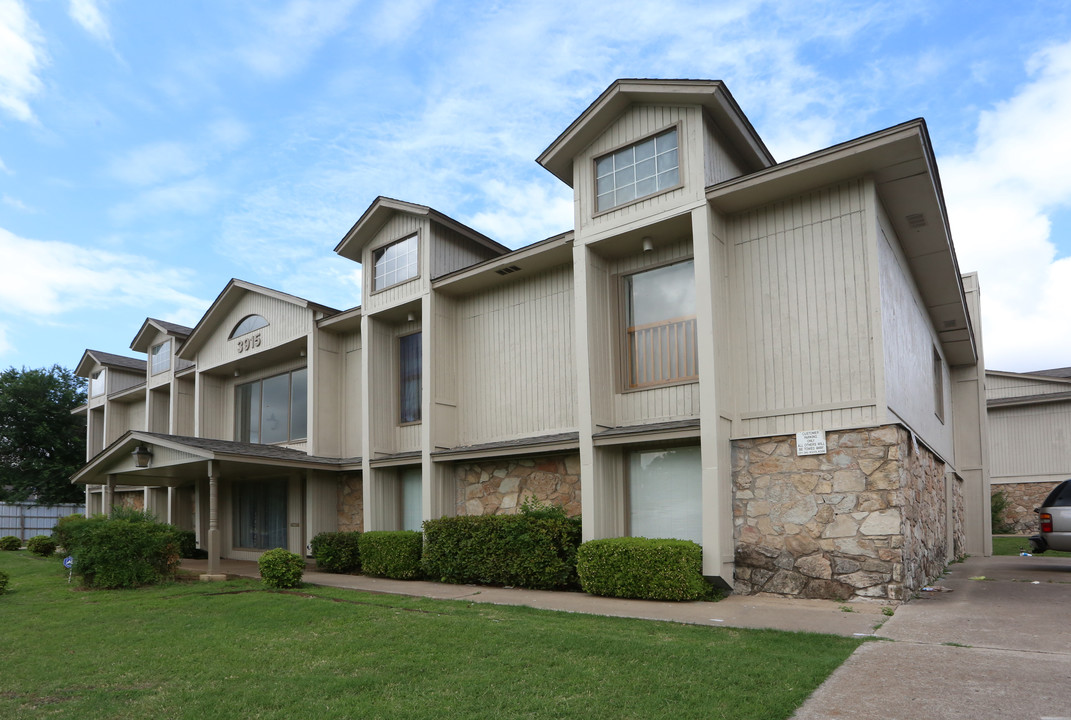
[{"x": 779, "y": 361}]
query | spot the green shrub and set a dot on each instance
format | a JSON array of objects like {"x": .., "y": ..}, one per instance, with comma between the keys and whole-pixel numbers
[
  {"x": 187, "y": 540},
  {"x": 126, "y": 550},
  {"x": 65, "y": 528},
  {"x": 392, "y": 554},
  {"x": 4, "y": 580},
  {"x": 42, "y": 545},
  {"x": 642, "y": 568},
  {"x": 998, "y": 504},
  {"x": 535, "y": 549},
  {"x": 10, "y": 542},
  {"x": 280, "y": 568},
  {"x": 337, "y": 552}
]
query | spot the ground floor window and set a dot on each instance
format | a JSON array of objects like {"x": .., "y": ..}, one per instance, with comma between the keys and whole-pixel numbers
[
  {"x": 665, "y": 492},
  {"x": 410, "y": 498},
  {"x": 260, "y": 514}
]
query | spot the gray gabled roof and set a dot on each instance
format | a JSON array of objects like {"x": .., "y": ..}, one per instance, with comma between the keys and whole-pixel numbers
[
  {"x": 1055, "y": 372},
  {"x": 108, "y": 360}
]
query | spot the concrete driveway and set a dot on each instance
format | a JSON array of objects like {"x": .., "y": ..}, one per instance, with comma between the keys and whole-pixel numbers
[{"x": 994, "y": 641}]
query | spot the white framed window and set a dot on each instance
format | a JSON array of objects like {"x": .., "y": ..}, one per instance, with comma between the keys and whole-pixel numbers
[
  {"x": 660, "y": 326},
  {"x": 938, "y": 386},
  {"x": 395, "y": 263},
  {"x": 98, "y": 382},
  {"x": 410, "y": 499},
  {"x": 409, "y": 378},
  {"x": 247, "y": 325},
  {"x": 272, "y": 410},
  {"x": 665, "y": 493},
  {"x": 636, "y": 171},
  {"x": 160, "y": 357}
]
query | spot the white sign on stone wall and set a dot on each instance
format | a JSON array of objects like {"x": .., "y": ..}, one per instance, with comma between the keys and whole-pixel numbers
[{"x": 811, "y": 442}]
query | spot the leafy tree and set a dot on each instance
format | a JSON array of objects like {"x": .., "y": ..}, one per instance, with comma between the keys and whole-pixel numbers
[{"x": 41, "y": 443}]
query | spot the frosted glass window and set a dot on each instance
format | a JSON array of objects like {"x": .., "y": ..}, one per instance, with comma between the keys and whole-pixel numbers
[
  {"x": 412, "y": 517},
  {"x": 666, "y": 493},
  {"x": 97, "y": 383},
  {"x": 160, "y": 357},
  {"x": 395, "y": 263},
  {"x": 637, "y": 171}
]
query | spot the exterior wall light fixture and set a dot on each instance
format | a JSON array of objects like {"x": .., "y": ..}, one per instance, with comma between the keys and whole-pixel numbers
[
  {"x": 648, "y": 244},
  {"x": 142, "y": 456}
]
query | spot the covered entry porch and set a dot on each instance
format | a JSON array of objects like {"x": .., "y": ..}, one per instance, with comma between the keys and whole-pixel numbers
[{"x": 240, "y": 499}]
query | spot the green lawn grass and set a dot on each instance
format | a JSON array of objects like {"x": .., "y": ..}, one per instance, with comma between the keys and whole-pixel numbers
[
  {"x": 237, "y": 650},
  {"x": 1012, "y": 545}
]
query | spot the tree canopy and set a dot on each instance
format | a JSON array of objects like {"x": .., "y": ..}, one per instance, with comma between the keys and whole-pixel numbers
[{"x": 41, "y": 443}]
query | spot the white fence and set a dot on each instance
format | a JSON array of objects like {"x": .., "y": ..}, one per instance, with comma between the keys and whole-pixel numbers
[{"x": 24, "y": 520}]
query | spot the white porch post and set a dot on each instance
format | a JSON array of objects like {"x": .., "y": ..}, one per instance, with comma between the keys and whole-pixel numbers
[{"x": 213, "y": 524}]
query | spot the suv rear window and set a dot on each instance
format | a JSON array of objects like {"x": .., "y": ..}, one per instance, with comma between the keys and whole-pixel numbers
[{"x": 1060, "y": 496}]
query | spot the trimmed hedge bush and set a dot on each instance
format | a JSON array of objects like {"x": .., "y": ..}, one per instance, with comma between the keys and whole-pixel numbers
[
  {"x": 535, "y": 549},
  {"x": 337, "y": 552},
  {"x": 10, "y": 542},
  {"x": 392, "y": 554},
  {"x": 63, "y": 529},
  {"x": 4, "y": 580},
  {"x": 280, "y": 568},
  {"x": 42, "y": 545},
  {"x": 649, "y": 569},
  {"x": 127, "y": 550}
]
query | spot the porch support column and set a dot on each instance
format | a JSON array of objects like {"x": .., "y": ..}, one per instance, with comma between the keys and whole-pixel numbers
[
  {"x": 109, "y": 496},
  {"x": 213, "y": 572}
]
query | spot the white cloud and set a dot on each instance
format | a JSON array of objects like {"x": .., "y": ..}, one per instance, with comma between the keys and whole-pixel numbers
[
  {"x": 15, "y": 203},
  {"x": 1000, "y": 197},
  {"x": 282, "y": 41},
  {"x": 43, "y": 278},
  {"x": 521, "y": 214},
  {"x": 87, "y": 13},
  {"x": 22, "y": 56},
  {"x": 192, "y": 197},
  {"x": 5, "y": 169},
  {"x": 151, "y": 164}
]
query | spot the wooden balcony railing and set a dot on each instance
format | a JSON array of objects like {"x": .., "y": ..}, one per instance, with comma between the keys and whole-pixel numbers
[{"x": 662, "y": 352}]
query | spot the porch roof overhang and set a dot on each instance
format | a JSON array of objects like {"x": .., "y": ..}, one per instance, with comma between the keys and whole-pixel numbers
[
  {"x": 179, "y": 460},
  {"x": 901, "y": 162}
]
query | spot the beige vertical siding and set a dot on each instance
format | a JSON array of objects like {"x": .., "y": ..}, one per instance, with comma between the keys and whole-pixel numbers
[
  {"x": 452, "y": 251},
  {"x": 803, "y": 354},
  {"x": 399, "y": 227},
  {"x": 602, "y": 354},
  {"x": 652, "y": 404},
  {"x": 286, "y": 322},
  {"x": 122, "y": 379},
  {"x": 321, "y": 504},
  {"x": 719, "y": 163},
  {"x": 909, "y": 341},
  {"x": 325, "y": 395},
  {"x": 442, "y": 335},
  {"x": 516, "y": 362},
  {"x": 160, "y": 410},
  {"x": 998, "y": 387},
  {"x": 182, "y": 410},
  {"x": 636, "y": 123},
  {"x": 213, "y": 402},
  {"x": 383, "y": 419},
  {"x": 1030, "y": 442},
  {"x": 351, "y": 394}
]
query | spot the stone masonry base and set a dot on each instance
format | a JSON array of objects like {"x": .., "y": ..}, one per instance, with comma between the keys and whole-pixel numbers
[
  {"x": 869, "y": 519},
  {"x": 1022, "y": 498}
]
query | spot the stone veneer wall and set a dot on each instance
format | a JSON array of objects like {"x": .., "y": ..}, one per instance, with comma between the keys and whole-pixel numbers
[
  {"x": 500, "y": 486},
  {"x": 865, "y": 520},
  {"x": 350, "y": 504},
  {"x": 132, "y": 500},
  {"x": 1022, "y": 499}
]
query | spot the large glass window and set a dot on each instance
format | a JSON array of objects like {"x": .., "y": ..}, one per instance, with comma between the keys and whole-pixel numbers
[
  {"x": 160, "y": 357},
  {"x": 260, "y": 514},
  {"x": 409, "y": 374},
  {"x": 637, "y": 171},
  {"x": 665, "y": 492},
  {"x": 410, "y": 499},
  {"x": 395, "y": 263},
  {"x": 272, "y": 410},
  {"x": 660, "y": 325},
  {"x": 97, "y": 382}
]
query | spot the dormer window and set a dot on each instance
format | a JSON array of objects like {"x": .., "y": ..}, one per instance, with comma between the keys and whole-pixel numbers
[
  {"x": 160, "y": 357},
  {"x": 247, "y": 325},
  {"x": 636, "y": 171},
  {"x": 394, "y": 263},
  {"x": 97, "y": 383}
]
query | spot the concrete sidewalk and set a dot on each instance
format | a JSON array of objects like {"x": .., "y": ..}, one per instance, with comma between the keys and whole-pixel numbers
[
  {"x": 821, "y": 616},
  {"x": 994, "y": 642}
]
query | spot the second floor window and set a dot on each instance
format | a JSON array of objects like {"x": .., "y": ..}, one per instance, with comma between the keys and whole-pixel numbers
[
  {"x": 660, "y": 342},
  {"x": 637, "y": 171},
  {"x": 272, "y": 410},
  {"x": 160, "y": 357},
  {"x": 97, "y": 383},
  {"x": 409, "y": 378},
  {"x": 395, "y": 263}
]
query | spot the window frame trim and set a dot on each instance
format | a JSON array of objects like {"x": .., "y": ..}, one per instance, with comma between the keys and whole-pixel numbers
[
  {"x": 621, "y": 320},
  {"x": 398, "y": 385},
  {"x": 290, "y": 406},
  {"x": 595, "y": 212},
  {"x": 373, "y": 250}
]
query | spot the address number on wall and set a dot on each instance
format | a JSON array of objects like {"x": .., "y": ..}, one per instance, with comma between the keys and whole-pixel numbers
[{"x": 248, "y": 343}]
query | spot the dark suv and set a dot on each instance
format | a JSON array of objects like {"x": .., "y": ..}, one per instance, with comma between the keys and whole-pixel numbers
[{"x": 1054, "y": 521}]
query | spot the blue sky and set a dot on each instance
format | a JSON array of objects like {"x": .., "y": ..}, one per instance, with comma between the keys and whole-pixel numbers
[{"x": 151, "y": 151}]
